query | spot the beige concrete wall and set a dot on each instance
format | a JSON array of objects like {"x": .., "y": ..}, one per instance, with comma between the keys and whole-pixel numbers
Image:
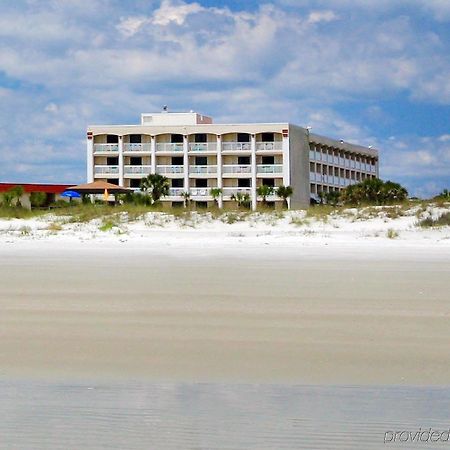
[{"x": 299, "y": 166}]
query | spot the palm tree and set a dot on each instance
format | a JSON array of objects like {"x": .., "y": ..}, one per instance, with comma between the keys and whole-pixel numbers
[
  {"x": 242, "y": 199},
  {"x": 156, "y": 185},
  {"x": 216, "y": 193},
  {"x": 264, "y": 191},
  {"x": 186, "y": 198},
  {"x": 285, "y": 192}
]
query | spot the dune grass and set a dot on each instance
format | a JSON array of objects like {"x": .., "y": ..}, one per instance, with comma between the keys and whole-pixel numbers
[{"x": 441, "y": 221}]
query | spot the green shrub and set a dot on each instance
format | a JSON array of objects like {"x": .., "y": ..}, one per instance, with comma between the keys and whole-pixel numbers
[
  {"x": 442, "y": 221},
  {"x": 38, "y": 199},
  {"x": 374, "y": 191}
]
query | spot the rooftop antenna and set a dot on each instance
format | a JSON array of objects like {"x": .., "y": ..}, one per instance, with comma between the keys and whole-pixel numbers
[
  {"x": 165, "y": 108},
  {"x": 341, "y": 141}
]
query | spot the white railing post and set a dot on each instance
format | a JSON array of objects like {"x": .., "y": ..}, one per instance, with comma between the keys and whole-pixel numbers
[
  {"x": 152, "y": 154},
  {"x": 219, "y": 170},
  {"x": 186, "y": 162},
  {"x": 90, "y": 158},
  {"x": 253, "y": 161},
  {"x": 286, "y": 163},
  {"x": 121, "y": 183}
]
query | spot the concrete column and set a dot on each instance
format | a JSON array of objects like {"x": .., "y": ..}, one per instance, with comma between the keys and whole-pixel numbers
[
  {"x": 253, "y": 163},
  {"x": 121, "y": 161},
  {"x": 219, "y": 169},
  {"x": 90, "y": 158},
  {"x": 287, "y": 164},
  {"x": 186, "y": 162},
  {"x": 153, "y": 154}
]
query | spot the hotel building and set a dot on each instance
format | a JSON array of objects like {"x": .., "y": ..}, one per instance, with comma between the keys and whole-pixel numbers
[{"x": 197, "y": 155}]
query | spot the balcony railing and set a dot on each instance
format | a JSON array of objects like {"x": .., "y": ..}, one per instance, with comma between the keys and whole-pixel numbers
[
  {"x": 202, "y": 146},
  {"x": 236, "y": 146},
  {"x": 269, "y": 146},
  {"x": 235, "y": 169},
  {"x": 200, "y": 192},
  {"x": 203, "y": 169},
  {"x": 136, "y": 147},
  {"x": 164, "y": 170},
  {"x": 176, "y": 192},
  {"x": 270, "y": 168},
  {"x": 137, "y": 170},
  {"x": 169, "y": 147},
  {"x": 110, "y": 148},
  {"x": 106, "y": 170},
  {"x": 229, "y": 191}
]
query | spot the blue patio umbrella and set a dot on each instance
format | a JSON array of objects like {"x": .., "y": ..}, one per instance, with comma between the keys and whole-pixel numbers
[{"x": 70, "y": 194}]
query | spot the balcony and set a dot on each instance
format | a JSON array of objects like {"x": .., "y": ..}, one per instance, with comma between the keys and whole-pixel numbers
[
  {"x": 200, "y": 192},
  {"x": 106, "y": 148},
  {"x": 170, "y": 170},
  {"x": 168, "y": 147},
  {"x": 202, "y": 147},
  {"x": 271, "y": 169},
  {"x": 235, "y": 169},
  {"x": 236, "y": 147},
  {"x": 270, "y": 147},
  {"x": 138, "y": 148},
  {"x": 202, "y": 170},
  {"x": 137, "y": 170},
  {"x": 106, "y": 170},
  {"x": 176, "y": 192},
  {"x": 230, "y": 191}
]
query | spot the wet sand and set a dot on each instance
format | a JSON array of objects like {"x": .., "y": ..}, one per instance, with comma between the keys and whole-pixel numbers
[{"x": 322, "y": 316}]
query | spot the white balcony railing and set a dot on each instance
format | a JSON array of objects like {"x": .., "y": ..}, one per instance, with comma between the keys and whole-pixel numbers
[
  {"x": 165, "y": 170},
  {"x": 137, "y": 170},
  {"x": 203, "y": 169},
  {"x": 169, "y": 147},
  {"x": 106, "y": 170},
  {"x": 229, "y": 191},
  {"x": 234, "y": 169},
  {"x": 136, "y": 147},
  {"x": 269, "y": 146},
  {"x": 202, "y": 146},
  {"x": 200, "y": 192},
  {"x": 236, "y": 146},
  {"x": 270, "y": 168},
  {"x": 176, "y": 192},
  {"x": 110, "y": 148}
]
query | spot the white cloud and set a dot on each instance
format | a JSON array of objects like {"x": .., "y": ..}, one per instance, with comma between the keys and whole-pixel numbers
[
  {"x": 171, "y": 11},
  {"x": 321, "y": 16}
]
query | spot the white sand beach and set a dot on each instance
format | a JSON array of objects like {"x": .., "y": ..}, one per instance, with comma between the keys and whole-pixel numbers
[{"x": 260, "y": 300}]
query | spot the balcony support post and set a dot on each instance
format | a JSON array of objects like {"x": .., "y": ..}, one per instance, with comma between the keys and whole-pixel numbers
[
  {"x": 219, "y": 170},
  {"x": 90, "y": 158},
  {"x": 253, "y": 162},
  {"x": 286, "y": 163},
  {"x": 152, "y": 154},
  {"x": 186, "y": 162},
  {"x": 121, "y": 183}
]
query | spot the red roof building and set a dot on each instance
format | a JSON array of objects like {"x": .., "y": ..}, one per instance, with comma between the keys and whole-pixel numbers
[{"x": 36, "y": 187}]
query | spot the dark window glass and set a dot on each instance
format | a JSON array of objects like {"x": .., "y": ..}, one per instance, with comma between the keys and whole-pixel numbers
[
  {"x": 243, "y": 137},
  {"x": 269, "y": 182},
  {"x": 112, "y": 161},
  {"x": 243, "y": 160},
  {"x": 177, "y": 182},
  {"x": 201, "y": 137},
  {"x": 177, "y": 161},
  {"x": 176, "y": 138},
  {"x": 201, "y": 160},
  {"x": 112, "y": 139},
  {"x": 201, "y": 182},
  {"x": 268, "y": 159},
  {"x": 201, "y": 204},
  {"x": 135, "y": 138},
  {"x": 135, "y": 161},
  {"x": 243, "y": 182},
  {"x": 177, "y": 204},
  {"x": 113, "y": 181},
  {"x": 267, "y": 137},
  {"x": 135, "y": 183}
]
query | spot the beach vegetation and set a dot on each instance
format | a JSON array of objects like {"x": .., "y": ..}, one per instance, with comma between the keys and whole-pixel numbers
[
  {"x": 155, "y": 185},
  {"x": 265, "y": 191},
  {"x": 38, "y": 199},
  {"x": 215, "y": 194},
  {"x": 391, "y": 234},
  {"x": 285, "y": 192},
  {"x": 430, "y": 222}
]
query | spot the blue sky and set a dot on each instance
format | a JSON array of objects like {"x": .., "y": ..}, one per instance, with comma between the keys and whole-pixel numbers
[{"x": 370, "y": 72}]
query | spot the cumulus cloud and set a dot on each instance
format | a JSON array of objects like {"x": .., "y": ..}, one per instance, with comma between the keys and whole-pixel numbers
[{"x": 322, "y": 16}]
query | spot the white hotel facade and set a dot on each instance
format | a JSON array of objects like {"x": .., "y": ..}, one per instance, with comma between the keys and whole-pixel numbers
[{"x": 197, "y": 155}]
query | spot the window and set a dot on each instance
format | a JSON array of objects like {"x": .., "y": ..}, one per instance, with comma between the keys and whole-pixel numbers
[
  {"x": 177, "y": 204},
  {"x": 135, "y": 161},
  {"x": 112, "y": 161},
  {"x": 243, "y": 137},
  {"x": 201, "y": 137},
  {"x": 201, "y": 182},
  {"x": 201, "y": 204},
  {"x": 113, "y": 181},
  {"x": 268, "y": 159},
  {"x": 112, "y": 139},
  {"x": 177, "y": 182},
  {"x": 268, "y": 137},
  {"x": 135, "y": 138},
  {"x": 243, "y": 160},
  {"x": 177, "y": 161},
  {"x": 201, "y": 160},
  {"x": 135, "y": 183},
  {"x": 176, "y": 138},
  {"x": 268, "y": 182},
  {"x": 244, "y": 182}
]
